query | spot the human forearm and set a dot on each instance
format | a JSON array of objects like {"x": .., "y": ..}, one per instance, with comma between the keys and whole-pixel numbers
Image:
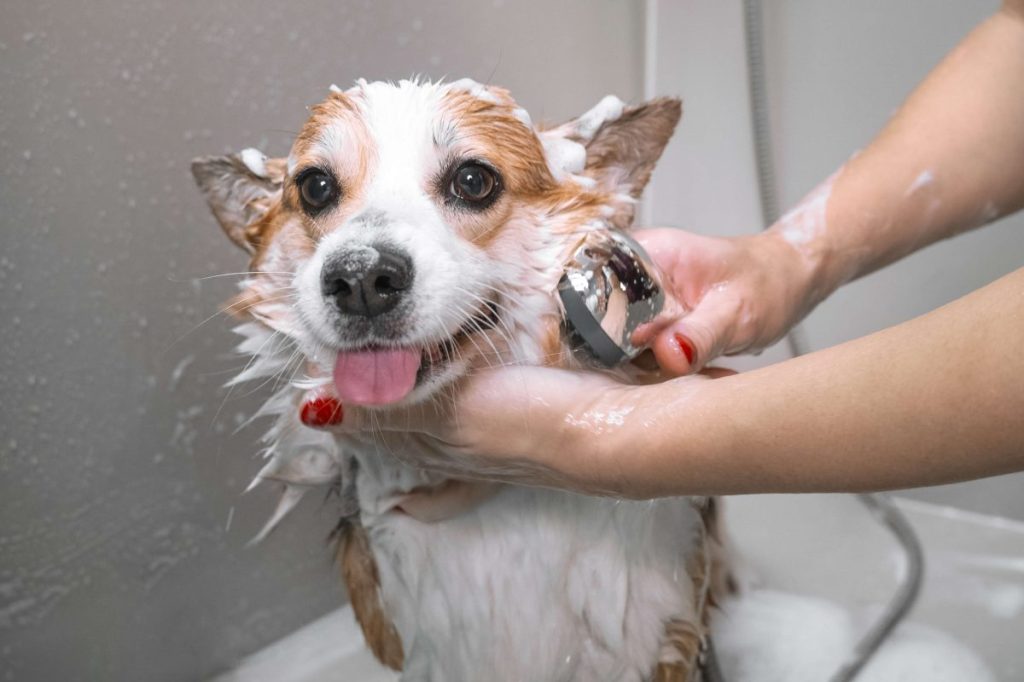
[
  {"x": 934, "y": 400},
  {"x": 951, "y": 159}
]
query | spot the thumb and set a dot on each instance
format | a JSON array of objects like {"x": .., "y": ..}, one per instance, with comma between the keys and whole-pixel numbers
[{"x": 690, "y": 342}]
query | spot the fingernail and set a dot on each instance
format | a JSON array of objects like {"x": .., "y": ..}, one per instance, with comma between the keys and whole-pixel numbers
[
  {"x": 686, "y": 347},
  {"x": 322, "y": 411}
]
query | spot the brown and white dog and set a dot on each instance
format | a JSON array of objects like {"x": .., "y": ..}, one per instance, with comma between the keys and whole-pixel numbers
[{"x": 416, "y": 231}]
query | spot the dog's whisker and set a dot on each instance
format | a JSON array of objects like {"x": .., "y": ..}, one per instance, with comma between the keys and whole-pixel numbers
[
  {"x": 297, "y": 359},
  {"x": 274, "y": 336},
  {"x": 231, "y": 309},
  {"x": 244, "y": 273},
  {"x": 501, "y": 328},
  {"x": 475, "y": 326},
  {"x": 485, "y": 302}
]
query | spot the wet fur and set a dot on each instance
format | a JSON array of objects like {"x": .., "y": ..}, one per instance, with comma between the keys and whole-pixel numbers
[{"x": 524, "y": 239}]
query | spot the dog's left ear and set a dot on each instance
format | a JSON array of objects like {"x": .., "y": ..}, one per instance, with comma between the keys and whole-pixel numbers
[
  {"x": 625, "y": 148},
  {"x": 240, "y": 189},
  {"x": 615, "y": 146}
]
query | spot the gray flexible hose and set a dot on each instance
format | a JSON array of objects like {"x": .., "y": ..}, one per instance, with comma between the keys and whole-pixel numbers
[
  {"x": 880, "y": 505},
  {"x": 906, "y": 594}
]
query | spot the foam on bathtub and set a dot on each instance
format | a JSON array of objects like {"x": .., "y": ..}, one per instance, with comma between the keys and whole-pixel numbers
[{"x": 769, "y": 636}]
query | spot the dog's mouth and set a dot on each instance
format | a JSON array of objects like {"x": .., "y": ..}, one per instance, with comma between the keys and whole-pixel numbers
[{"x": 384, "y": 375}]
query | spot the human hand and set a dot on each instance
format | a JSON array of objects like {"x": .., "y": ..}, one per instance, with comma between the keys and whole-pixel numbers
[
  {"x": 526, "y": 425},
  {"x": 734, "y": 294},
  {"x": 510, "y": 424}
]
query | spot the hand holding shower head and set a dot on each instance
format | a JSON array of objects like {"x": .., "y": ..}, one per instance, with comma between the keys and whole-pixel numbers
[{"x": 609, "y": 288}]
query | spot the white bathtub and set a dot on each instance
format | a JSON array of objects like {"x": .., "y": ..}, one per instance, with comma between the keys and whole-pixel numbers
[{"x": 818, "y": 545}]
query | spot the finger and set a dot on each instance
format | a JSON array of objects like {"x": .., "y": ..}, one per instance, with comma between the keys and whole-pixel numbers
[
  {"x": 661, "y": 244},
  {"x": 670, "y": 313},
  {"x": 322, "y": 409},
  {"x": 692, "y": 341},
  {"x": 674, "y": 352},
  {"x": 686, "y": 259}
]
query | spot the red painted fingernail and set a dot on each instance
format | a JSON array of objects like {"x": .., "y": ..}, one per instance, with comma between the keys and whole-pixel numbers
[
  {"x": 686, "y": 347},
  {"x": 321, "y": 412}
]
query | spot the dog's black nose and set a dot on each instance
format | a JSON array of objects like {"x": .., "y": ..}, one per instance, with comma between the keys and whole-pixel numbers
[{"x": 367, "y": 281}]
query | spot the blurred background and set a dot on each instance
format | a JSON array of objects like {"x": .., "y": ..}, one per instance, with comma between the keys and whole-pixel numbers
[{"x": 122, "y": 523}]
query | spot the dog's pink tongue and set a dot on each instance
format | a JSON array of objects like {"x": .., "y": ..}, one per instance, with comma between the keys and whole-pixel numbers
[{"x": 375, "y": 377}]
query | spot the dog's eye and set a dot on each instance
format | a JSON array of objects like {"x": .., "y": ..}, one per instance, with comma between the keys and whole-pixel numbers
[
  {"x": 318, "y": 189},
  {"x": 473, "y": 183}
]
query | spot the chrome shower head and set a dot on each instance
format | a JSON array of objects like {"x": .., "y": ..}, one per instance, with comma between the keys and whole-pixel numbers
[{"x": 609, "y": 288}]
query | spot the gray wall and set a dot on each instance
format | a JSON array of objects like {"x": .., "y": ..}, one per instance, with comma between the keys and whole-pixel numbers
[
  {"x": 836, "y": 71},
  {"x": 122, "y": 525}
]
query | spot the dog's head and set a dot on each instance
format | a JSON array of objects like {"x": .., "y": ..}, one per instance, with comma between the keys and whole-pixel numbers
[{"x": 419, "y": 228}]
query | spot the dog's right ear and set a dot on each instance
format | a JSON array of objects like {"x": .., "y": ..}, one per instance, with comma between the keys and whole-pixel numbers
[{"x": 240, "y": 189}]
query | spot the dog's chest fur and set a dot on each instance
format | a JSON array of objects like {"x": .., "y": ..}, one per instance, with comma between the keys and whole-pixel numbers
[{"x": 531, "y": 584}]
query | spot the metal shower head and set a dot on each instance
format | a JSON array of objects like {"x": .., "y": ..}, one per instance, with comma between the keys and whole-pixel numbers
[{"x": 609, "y": 288}]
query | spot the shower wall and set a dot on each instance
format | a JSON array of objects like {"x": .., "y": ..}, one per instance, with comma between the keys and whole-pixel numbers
[{"x": 122, "y": 521}]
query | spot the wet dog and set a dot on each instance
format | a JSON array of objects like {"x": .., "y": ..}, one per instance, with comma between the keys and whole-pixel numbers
[{"x": 416, "y": 231}]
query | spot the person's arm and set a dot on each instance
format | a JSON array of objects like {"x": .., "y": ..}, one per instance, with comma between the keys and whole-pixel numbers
[
  {"x": 934, "y": 400},
  {"x": 951, "y": 159}
]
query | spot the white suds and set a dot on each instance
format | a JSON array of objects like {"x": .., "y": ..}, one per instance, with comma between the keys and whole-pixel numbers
[
  {"x": 988, "y": 213},
  {"x": 806, "y": 221},
  {"x": 924, "y": 179},
  {"x": 768, "y": 636},
  {"x": 335, "y": 89},
  {"x": 255, "y": 161},
  {"x": 565, "y": 157},
  {"x": 476, "y": 89},
  {"x": 564, "y": 147},
  {"x": 524, "y": 116},
  {"x": 599, "y": 422},
  {"x": 608, "y": 109},
  {"x": 618, "y": 417}
]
